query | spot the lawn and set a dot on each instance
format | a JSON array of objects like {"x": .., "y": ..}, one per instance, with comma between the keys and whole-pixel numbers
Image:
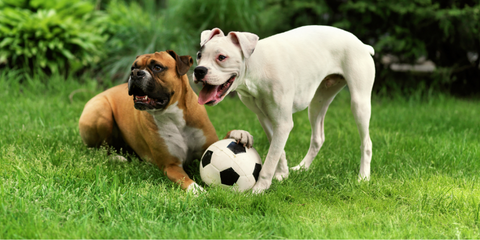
[{"x": 424, "y": 184}]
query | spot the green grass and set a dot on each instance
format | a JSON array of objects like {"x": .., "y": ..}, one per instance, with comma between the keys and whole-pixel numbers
[{"x": 425, "y": 175}]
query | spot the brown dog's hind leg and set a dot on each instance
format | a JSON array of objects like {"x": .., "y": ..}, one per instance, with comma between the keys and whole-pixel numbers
[{"x": 96, "y": 123}]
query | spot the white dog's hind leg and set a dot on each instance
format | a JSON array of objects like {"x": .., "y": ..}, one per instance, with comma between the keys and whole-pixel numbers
[
  {"x": 316, "y": 114},
  {"x": 361, "y": 109},
  {"x": 360, "y": 83},
  {"x": 281, "y": 172}
]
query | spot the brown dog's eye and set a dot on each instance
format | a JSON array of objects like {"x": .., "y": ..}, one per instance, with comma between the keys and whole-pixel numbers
[
  {"x": 221, "y": 58},
  {"x": 157, "y": 68}
]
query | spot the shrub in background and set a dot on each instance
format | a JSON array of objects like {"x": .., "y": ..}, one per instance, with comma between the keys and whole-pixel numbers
[
  {"x": 58, "y": 36},
  {"x": 139, "y": 28},
  {"x": 446, "y": 32},
  {"x": 238, "y": 15},
  {"x": 67, "y": 35}
]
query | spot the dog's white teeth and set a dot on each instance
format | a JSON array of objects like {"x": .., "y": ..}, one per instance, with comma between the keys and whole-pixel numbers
[{"x": 141, "y": 98}]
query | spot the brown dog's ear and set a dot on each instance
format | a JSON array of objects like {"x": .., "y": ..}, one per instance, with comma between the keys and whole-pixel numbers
[{"x": 183, "y": 62}]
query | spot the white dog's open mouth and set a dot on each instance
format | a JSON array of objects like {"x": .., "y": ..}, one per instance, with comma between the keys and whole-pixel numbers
[{"x": 212, "y": 94}]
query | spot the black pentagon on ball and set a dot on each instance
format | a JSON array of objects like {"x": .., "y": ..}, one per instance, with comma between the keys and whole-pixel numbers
[
  {"x": 207, "y": 158},
  {"x": 236, "y": 148},
  {"x": 256, "y": 171},
  {"x": 229, "y": 176}
]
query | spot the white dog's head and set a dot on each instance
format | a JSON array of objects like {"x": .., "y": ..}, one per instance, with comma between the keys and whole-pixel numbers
[{"x": 221, "y": 63}]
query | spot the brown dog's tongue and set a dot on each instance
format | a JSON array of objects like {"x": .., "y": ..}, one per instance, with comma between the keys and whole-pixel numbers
[{"x": 207, "y": 94}]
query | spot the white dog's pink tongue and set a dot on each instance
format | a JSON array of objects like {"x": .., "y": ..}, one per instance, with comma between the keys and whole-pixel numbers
[{"x": 208, "y": 94}]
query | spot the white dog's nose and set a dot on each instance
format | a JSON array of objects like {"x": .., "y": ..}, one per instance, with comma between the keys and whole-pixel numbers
[{"x": 200, "y": 73}]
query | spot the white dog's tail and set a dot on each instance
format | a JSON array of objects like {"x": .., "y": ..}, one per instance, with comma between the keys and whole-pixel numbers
[{"x": 370, "y": 49}]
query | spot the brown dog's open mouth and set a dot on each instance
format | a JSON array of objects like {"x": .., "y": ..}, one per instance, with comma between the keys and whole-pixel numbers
[
  {"x": 211, "y": 94},
  {"x": 146, "y": 103}
]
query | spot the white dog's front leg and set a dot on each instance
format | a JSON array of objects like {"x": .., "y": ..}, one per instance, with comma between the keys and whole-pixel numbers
[
  {"x": 277, "y": 145},
  {"x": 281, "y": 172}
]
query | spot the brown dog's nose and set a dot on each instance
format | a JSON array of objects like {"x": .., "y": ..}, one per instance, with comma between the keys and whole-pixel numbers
[
  {"x": 200, "y": 72},
  {"x": 138, "y": 73}
]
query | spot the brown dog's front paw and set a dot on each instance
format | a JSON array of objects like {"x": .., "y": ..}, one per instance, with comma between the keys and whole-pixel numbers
[
  {"x": 242, "y": 137},
  {"x": 195, "y": 188}
]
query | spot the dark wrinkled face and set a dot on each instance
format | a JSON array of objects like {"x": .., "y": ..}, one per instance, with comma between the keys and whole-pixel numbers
[{"x": 150, "y": 81}]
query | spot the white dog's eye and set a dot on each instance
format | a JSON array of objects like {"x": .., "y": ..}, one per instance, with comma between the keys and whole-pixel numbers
[
  {"x": 221, "y": 58},
  {"x": 199, "y": 55}
]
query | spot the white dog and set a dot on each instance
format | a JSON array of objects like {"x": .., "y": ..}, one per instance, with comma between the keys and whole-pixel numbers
[{"x": 283, "y": 74}]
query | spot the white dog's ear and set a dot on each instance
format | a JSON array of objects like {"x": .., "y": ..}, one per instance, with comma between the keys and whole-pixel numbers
[
  {"x": 209, "y": 34},
  {"x": 245, "y": 41}
]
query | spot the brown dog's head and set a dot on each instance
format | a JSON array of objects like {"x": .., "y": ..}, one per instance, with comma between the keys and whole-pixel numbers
[{"x": 154, "y": 78}]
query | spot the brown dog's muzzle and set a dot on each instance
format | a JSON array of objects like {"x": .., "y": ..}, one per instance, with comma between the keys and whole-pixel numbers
[{"x": 147, "y": 95}]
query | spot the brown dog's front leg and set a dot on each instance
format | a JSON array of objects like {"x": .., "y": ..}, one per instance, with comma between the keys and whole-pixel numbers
[{"x": 177, "y": 175}]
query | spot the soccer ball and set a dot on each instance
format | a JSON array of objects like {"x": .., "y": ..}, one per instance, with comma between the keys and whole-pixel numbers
[{"x": 228, "y": 164}]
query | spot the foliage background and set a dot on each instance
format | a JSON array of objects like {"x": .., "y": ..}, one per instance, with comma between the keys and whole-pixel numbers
[
  {"x": 52, "y": 36},
  {"x": 426, "y": 142},
  {"x": 74, "y": 36}
]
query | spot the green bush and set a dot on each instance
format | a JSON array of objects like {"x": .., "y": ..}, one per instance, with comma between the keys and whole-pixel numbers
[
  {"x": 146, "y": 26},
  {"x": 238, "y": 15},
  {"x": 68, "y": 35},
  {"x": 446, "y": 32},
  {"x": 140, "y": 28},
  {"x": 58, "y": 36}
]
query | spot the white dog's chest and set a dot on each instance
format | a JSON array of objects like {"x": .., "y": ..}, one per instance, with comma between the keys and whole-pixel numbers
[
  {"x": 182, "y": 141},
  {"x": 257, "y": 96}
]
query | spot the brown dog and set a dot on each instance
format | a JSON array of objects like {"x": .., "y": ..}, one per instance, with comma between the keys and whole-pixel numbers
[{"x": 162, "y": 123}]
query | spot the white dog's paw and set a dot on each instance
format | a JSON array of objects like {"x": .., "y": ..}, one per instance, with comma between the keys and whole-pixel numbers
[
  {"x": 363, "y": 178},
  {"x": 281, "y": 176},
  {"x": 281, "y": 173},
  {"x": 241, "y": 136},
  {"x": 299, "y": 167},
  {"x": 261, "y": 186}
]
